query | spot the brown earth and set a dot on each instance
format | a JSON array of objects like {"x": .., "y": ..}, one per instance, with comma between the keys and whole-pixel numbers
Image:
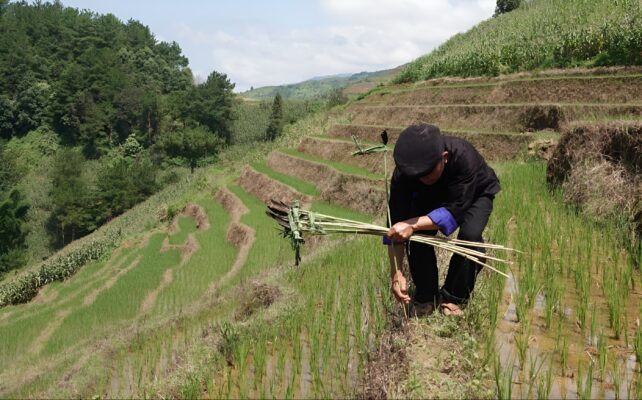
[
  {"x": 232, "y": 204},
  {"x": 351, "y": 191},
  {"x": 497, "y": 117},
  {"x": 493, "y": 146},
  {"x": 599, "y": 168},
  {"x": 259, "y": 296},
  {"x": 341, "y": 151},
  {"x": 237, "y": 234},
  {"x": 602, "y": 89},
  {"x": 368, "y": 133},
  {"x": 195, "y": 211},
  {"x": 265, "y": 188}
]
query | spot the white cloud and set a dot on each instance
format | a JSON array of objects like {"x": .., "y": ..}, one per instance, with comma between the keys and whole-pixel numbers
[{"x": 360, "y": 35}]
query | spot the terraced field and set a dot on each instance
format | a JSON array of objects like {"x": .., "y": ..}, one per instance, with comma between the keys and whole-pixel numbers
[{"x": 211, "y": 305}]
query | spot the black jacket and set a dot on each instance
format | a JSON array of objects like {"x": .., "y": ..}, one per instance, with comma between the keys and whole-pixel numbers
[{"x": 466, "y": 177}]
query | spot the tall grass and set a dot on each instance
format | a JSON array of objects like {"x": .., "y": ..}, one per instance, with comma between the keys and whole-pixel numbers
[{"x": 539, "y": 34}]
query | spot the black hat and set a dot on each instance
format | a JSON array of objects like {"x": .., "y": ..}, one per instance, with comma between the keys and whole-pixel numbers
[{"x": 418, "y": 150}]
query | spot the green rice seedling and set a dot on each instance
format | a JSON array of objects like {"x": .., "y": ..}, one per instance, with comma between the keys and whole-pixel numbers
[
  {"x": 602, "y": 354},
  {"x": 584, "y": 382},
  {"x": 521, "y": 338},
  {"x": 260, "y": 353},
  {"x": 637, "y": 343},
  {"x": 503, "y": 379},
  {"x": 616, "y": 377},
  {"x": 534, "y": 368},
  {"x": 614, "y": 303},
  {"x": 594, "y": 322},
  {"x": 552, "y": 295},
  {"x": 564, "y": 355},
  {"x": 545, "y": 382}
]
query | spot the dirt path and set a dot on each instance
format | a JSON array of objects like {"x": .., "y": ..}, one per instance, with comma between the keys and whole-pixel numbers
[
  {"x": 240, "y": 235},
  {"x": 46, "y": 333}
]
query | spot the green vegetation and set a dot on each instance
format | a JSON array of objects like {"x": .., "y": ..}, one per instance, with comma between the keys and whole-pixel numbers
[
  {"x": 13, "y": 212},
  {"x": 575, "y": 266},
  {"x": 251, "y": 118},
  {"x": 345, "y": 168},
  {"x": 539, "y": 34},
  {"x": 276, "y": 119},
  {"x": 85, "y": 97},
  {"x": 316, "y": 88},
  {"x": 193, "y": 145},
  {"x": 504, "y": 6},
  {"x": 299, "y": 185}
]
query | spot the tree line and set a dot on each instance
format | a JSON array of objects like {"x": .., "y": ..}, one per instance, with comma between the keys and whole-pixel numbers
[{"x": 118, "y": 108}]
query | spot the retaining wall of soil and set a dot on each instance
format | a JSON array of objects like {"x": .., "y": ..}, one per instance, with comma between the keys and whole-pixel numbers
[
  {"x": 581, "y": 89},
  {"x": 351, "y": 191},
  {"x": 498, "y": 117},
  {"x": 265, "y": 188},
  {"x": 599, "y": 168},
  {"x": 492, "y": 146},
  {"x": 341, "y": 151}
]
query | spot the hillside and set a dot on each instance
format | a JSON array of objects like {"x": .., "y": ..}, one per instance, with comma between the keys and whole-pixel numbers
[
  {"x": 539, "y": 34},
  {"x": 167, "y": 314},
  {"x": 194, "y": 294},
  {"x": 88, "y": 107},
  {"x": 320, "y": 87}
]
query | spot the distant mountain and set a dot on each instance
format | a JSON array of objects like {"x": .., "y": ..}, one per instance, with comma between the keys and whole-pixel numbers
[{"x": 322, "y": 85}]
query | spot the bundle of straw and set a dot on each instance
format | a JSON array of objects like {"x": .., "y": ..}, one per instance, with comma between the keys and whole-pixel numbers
[{"x": 295, "y": 221}]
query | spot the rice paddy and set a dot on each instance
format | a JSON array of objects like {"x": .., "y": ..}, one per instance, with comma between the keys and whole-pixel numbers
[
  {"x": 569, "y": 315},
  {"x": 167, "y": 314}
]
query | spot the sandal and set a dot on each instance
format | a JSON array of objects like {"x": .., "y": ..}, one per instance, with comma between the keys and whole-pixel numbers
[{"x": 451, "y": 309}]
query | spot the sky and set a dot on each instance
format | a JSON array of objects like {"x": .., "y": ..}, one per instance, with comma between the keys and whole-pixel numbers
[{"x": 262, "y": 43}]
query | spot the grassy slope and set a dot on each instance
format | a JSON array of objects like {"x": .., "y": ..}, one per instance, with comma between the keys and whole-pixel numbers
[{"x": 540, "y": 34}]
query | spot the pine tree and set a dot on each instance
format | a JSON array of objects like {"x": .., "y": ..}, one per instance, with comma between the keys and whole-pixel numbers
[{"x": 276, "y": 119}]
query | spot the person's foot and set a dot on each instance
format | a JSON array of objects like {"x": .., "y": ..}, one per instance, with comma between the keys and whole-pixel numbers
[
  {"x": 451, "y": 309},
  {"x": 419, "y": 310}
]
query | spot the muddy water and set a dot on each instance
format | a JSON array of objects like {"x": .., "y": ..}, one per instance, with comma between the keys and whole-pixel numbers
[{"x": 621, "y": 377}]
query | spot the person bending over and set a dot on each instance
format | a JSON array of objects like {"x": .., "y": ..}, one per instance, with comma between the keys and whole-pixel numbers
[{"x": 439, "y": 183}]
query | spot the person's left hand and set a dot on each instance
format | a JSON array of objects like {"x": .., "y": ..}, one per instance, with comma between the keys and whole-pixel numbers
[{"x": 400, "y": 232}]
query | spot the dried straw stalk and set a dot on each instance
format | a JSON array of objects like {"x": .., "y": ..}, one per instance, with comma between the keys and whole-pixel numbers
[{"x": 295, "y": 221}]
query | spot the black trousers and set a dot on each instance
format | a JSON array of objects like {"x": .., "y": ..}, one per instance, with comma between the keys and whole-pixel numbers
[{"x": 462, "y": 273}]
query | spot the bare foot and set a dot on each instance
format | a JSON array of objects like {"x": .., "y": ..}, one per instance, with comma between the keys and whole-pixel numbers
[{"x": 451, "y": 309}]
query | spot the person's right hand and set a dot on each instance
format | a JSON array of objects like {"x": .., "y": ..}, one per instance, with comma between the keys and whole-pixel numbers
[
  {"x": 399, "y": 287},
  {"x": 400, "y": 232}
]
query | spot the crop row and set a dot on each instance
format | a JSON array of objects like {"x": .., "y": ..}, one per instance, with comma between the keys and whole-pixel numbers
[{"x": 539, "y": 34}]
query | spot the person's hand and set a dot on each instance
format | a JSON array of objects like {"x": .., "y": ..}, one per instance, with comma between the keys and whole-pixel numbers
[
  {"x": 399, "y": 288},
  {"x": 400, "y": 232}
]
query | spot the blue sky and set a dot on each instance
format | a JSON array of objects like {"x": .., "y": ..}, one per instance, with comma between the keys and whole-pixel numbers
[{"x": 260, "y": 43}]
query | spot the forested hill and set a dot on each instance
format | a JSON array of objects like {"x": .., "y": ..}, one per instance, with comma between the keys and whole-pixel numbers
[
  {"x": 92, "y": 78},
  {"x": 95, "y": 116}
]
